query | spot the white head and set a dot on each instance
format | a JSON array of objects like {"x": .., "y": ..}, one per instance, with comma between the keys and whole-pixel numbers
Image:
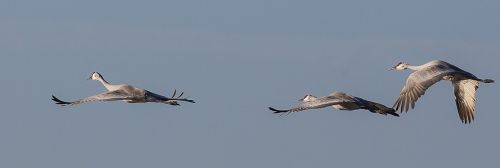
[
  {"x": 95, "y": 76},
  {"x": 400, "y": 66},
  {"x": 308, "y": 98}
]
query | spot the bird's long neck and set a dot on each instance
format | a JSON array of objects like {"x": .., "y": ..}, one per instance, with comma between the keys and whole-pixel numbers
[
  {"x": 415, "y": 68},
  {"x": 105, "y": 83}
]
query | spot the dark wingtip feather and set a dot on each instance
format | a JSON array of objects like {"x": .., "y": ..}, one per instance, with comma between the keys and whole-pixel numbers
[
  {"x": 175, "y": 92},
  {"x": 60, "y": 102},
  {"x": 392, "y": 112},
  {"x": 278, "y": 111},
  {"x": 189, "y": 100},
  {"x": 178, "y": 98}
]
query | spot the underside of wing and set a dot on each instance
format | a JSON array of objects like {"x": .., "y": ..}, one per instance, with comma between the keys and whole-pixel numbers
[
  {"x": 416, "y": 85},
  {"x": 465, "y": 99}
]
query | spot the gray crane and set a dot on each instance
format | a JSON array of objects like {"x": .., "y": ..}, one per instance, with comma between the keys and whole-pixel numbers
[
  {"x": 426, "y": 75},
  {"x": 339, "y": 101},
  {"x": 124, "y": 92}
]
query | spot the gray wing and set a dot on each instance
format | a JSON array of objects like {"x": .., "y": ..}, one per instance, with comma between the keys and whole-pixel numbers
[
  {"x": 417, "y": 83},
  {"x": 369, "y": 105},
  {"x": 465, "y": 98},
  {"x": 318, "y": 103},
  {"x": 344, "y": 96},
  {"x": 362, "y": 103},
  {"x": 106, "y": 96}
]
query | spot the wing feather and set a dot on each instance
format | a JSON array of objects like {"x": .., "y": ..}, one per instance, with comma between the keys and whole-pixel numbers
[
  {"x": 106, "y": 96},
  {"x": 416, "y": 85},
  {"x": 465, "y": 99}
]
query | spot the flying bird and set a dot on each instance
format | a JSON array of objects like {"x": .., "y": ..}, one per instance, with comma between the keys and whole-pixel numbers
[
  {"x": 124, "y": 92},
  {"x": 424, "y": 76},
  {"x": 339, "y": 101}
]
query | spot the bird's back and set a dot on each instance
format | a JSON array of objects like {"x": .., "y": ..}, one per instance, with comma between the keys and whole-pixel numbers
[{"x": 445, "y": 66}]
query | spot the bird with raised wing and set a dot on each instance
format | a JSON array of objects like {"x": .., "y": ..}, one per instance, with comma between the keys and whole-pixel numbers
[
  {"x": 424, "y": 76},
  {"x": 339, "y": 101},
  {"x": 124, "y": 92}
]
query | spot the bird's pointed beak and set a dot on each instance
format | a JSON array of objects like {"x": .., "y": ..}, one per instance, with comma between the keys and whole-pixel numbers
[
  {"x": 391, "y": 69},
  {"x": 90, "y": 78}
]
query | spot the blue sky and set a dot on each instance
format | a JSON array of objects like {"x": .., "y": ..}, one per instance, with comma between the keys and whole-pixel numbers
[{"x": 236, "y": 58}]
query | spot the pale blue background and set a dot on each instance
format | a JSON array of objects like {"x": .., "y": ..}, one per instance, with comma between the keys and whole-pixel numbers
[{"x": 236, "y": 58}]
